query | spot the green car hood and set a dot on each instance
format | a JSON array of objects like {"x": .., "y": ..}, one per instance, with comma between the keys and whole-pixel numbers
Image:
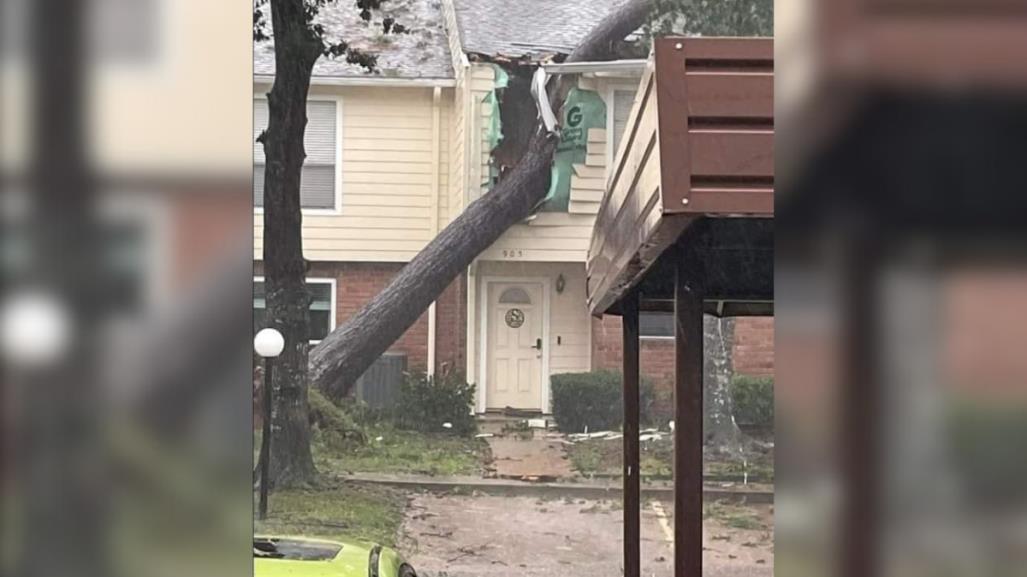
[{"x": 352, "y": 560}]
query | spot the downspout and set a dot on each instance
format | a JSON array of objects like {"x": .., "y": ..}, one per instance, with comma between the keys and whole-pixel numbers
[
  {"x": 436, "y": 152},
  {"x": 470, "y": 341}
]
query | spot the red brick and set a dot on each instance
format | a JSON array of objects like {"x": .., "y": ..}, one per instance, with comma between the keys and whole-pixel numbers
[{"x": 357, "y": 283}]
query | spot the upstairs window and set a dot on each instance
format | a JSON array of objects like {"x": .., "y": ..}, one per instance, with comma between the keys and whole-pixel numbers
[
  {"x": 318, "y": 186},
  {"x": 322, "y": 307}
]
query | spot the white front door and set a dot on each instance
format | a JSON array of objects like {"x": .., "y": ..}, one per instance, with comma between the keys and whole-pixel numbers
[{"x": 514, "y": 358}]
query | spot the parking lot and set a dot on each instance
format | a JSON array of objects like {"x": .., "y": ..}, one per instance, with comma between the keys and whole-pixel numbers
[{"x": 495, "y": 536}]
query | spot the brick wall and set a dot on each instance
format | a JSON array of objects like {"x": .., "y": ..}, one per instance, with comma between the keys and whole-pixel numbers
[
  {"x": 754, "y": 346},
  {"x": 656, "y": 357},
  {"x": 753, "y": 350},
  {"x": 358, "y": 283},
  {"x": 451, "y": 328}
]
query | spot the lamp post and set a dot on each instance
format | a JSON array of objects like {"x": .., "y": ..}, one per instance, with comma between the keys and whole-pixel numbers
[{"x": 269, "y": 344}]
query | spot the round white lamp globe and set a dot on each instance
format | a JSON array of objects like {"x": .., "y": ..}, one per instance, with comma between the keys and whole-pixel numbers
[
  {"x": 35, "y": 329},
  {"x": 268, "y": 343}
]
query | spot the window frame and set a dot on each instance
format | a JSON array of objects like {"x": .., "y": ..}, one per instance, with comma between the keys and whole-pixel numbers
[
  {"x": 332, "y": 306},
  {"x": 611, "y": 90},
  {"x": 337, "y": 209}
]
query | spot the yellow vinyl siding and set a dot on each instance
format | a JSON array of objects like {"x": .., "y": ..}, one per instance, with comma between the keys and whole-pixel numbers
[{"x": 388, "y": 169}]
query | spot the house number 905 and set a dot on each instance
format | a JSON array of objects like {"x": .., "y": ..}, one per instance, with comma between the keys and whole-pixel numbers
[{"x": 513, "y": 253}]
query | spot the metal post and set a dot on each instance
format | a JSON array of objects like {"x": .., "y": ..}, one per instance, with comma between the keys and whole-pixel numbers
[
  {"x": 688, "y": 414},
  {"x": 265, "y": 441},
  {"x": 632, "y": 501}
]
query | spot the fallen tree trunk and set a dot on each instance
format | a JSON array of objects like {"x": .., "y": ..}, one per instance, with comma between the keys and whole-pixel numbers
[{"x": 339, "y": 360}]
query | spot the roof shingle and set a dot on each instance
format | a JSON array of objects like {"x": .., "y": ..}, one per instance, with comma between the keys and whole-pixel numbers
[
  {"x": 528, "y": 28},
  {"x": 421, "y": 53}
]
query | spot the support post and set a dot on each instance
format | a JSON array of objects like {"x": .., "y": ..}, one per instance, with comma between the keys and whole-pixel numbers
[
  {"x": 265, "y": 441},
  {"x": 632, "y": 508},
  {"x": 688, "y": 429},
  {"x": 861, "y": 395}
]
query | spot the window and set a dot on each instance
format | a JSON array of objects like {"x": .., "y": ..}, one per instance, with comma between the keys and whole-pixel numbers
[
  {"x": 125, "y": 31},
  {"x": 515, "y": 296},
  {"x": 322, "y": 307},
  {"x": 621, "y": 109},
  {"x": 655, "y": 325},
  {"x": 318, "y": 184}
]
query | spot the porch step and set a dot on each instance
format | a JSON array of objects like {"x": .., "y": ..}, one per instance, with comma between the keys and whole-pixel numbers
[{"x": 507, "y": 423}]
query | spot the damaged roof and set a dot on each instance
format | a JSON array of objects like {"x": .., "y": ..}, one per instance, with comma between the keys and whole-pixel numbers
[
  {"x": 421, "y": 53},
  {"x": 531, "y": 29}
]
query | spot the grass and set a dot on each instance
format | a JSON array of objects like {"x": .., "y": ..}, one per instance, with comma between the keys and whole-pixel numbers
[
  {"x": 602, "y": 457},
  {"x": 336, "y": 511},
  {"x": 733, "y": 516},
  {"x": 390, "y": 450},
  {"x": 605, "y": 458}
]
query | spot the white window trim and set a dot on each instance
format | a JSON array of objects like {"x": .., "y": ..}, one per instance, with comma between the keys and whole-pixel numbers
[
  {"x": 337, "y": 210},
  {"x": 320, "y": 280},
  {"x": 610, "y": 90}
]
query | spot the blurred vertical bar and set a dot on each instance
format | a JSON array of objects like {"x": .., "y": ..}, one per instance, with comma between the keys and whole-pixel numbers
[
  {"x": 127, "y": 250},
  {"x": 62, "y": 474},
  {"x": 861, "y": 414},
  {"x": 901, "y": 289}
]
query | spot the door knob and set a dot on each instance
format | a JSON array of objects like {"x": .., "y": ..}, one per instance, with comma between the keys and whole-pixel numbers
[{"x": 538, "y": 344}]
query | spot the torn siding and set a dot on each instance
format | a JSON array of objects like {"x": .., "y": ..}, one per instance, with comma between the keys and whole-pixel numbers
[{"x": 565, "y": 236}]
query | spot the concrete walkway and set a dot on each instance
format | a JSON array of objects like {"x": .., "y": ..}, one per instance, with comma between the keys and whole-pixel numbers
[{"x": 537, "y": 459}]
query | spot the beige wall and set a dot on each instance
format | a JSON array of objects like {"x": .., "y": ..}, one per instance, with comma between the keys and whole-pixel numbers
[
  {"x": 395, "y": 176},
  {"x": 157, "y": 117}
]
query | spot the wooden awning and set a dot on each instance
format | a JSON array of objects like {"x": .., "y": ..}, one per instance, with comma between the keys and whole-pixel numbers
[{"x": 698, "y": 147}]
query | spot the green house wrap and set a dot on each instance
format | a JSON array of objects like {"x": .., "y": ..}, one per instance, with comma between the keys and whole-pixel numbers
[
  {"x": 583, "y": 110},
  {"x": 494, "y": 128}
]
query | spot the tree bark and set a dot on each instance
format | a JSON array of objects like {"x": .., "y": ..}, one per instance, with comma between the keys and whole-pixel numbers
[
  {"x": 721, "y": 433},
  {"x": 339, "y": 360},
  {"x": 296, "y": 50}
]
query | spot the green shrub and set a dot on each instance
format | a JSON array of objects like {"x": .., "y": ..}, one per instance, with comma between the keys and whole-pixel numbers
[
  {"x": 426, "y": 403},
  {"x": 753, "y": 401},
  {"x": 985, "y": 443},
  {"x": 595, "y": 400}
]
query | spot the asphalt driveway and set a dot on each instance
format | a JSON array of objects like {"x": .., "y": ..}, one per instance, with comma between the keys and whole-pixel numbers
[{"x": 495, "y": 536}]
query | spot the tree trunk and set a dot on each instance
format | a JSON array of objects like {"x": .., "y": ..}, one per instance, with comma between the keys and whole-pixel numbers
[
  {"x": 296, "y": 50},
  {"x": 719, "y": 428},
  {"x": 339, "y": 360}
]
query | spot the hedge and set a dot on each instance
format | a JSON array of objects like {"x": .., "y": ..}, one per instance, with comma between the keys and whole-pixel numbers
[
  {"x": 753, "y": 401},
  {"x": 426, "y": 404},
  {"x": 594, "y": 401}
]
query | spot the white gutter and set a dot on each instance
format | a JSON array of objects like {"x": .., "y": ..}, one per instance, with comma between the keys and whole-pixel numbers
[
  {"x": 436, "y": 152},
  {"x": 612, "y": 66},
  {"x": 369, "y": 81}
]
